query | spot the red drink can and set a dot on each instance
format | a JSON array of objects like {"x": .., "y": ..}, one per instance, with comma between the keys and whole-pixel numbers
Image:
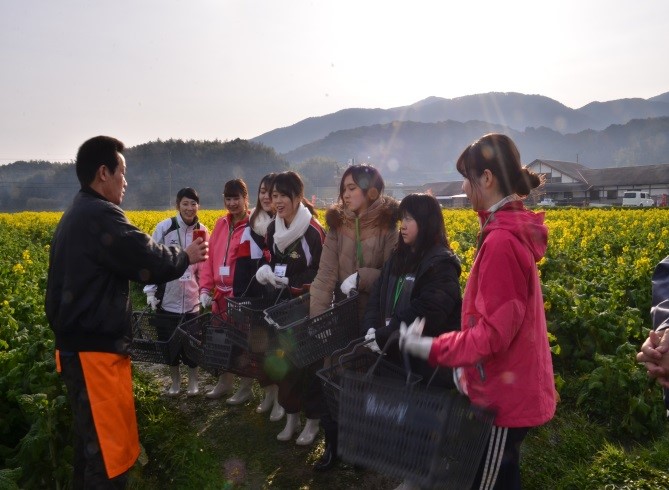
[{"x": 199, "y": 234}]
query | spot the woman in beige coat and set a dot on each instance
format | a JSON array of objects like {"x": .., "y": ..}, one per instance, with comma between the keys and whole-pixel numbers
[{"x": 361, "y": 237}]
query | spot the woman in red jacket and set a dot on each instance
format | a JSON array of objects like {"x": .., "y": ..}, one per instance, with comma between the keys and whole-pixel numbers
[
  {"x": 218, "y": 273},
  {"x": 502, "y": 355}
]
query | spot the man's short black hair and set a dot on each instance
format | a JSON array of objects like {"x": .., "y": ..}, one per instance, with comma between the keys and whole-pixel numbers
[{"x": 95, "y": 152}]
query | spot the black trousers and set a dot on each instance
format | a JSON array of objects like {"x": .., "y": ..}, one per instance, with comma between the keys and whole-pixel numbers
[
  {"x": 500, "y": 466},
  {"x": 89, "y": 468}
]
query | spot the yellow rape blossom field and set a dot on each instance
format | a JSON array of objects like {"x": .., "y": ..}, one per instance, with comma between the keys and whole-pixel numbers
[{"x": 596, "y": 279}]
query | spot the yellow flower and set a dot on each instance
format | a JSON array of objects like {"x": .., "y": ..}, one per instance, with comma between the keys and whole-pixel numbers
[{"x": 18, "y": 269}]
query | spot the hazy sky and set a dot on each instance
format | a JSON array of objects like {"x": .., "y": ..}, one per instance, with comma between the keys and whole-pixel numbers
[{"x": 221, "y": 69}]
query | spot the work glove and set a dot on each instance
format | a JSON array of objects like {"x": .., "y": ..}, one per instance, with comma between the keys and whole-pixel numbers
[
  {"x": 411, "y": 340},
  {"x": 279, "y": 282},
  {"x": 371, "y": 336},
  {"x": 152, "y": 301},
  {"x": 205, "y": 300},
  {"x": 265, "y": 275},
  {"x": 350, "y": 283}
]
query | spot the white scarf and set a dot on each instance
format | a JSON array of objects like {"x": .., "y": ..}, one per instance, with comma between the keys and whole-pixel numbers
[
  {"x": 283, "y": 236},
  {"x": 261, "y": 222}
]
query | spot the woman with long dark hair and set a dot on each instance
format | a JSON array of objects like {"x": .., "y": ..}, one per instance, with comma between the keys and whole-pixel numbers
[{"x": 421, "y": 279}]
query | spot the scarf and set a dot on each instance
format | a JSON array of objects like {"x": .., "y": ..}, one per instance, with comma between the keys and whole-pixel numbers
[
  {"x": 283, "y": 236},
  {"x": 261, "y": 222}
]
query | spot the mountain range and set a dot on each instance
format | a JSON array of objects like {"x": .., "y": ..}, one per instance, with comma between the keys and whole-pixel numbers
[
  {"x": 422, "y": 141},
  {"x": 415, "y": 144}
]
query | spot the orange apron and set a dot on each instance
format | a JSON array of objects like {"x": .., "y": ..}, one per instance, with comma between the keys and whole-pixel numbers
[{"x": 109, "y": 384}]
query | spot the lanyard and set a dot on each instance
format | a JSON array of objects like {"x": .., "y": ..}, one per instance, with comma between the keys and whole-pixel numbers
[
  {"x": 227, "y": 247},
  {"x": 358, "y": 244},
  {"x": 398, "y": 290}
]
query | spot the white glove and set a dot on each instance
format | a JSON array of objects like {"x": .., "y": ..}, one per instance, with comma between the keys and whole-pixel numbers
[
  {"x": 279, "y": 282},
  {"x": 205, "y": 300},
  {"x": 265, "y": 275},
  {"x": 152, "y": 301},
  {"x": 351, "y": 282},
  {"x": 373, "y": 346},
  {"x": 411, "y": 340}
]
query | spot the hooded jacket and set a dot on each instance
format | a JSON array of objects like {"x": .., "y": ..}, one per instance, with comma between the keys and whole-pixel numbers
[
  {"x": 181, "y": 295},
  {"x": 433, "y": 292},
  {"x": 378, "y": 237},
  {"x": 503, "y": 342}
]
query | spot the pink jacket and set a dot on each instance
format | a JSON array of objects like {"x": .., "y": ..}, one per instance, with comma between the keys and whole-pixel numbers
[
  {"x": 503, "y": 344},
  {"x": 224, "y": 249}
]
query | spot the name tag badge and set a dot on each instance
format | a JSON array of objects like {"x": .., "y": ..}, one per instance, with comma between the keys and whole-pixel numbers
[
  {"x": 224, "y": 270},
  {"x": 280, "y": 270},
  {"x": 187, "y": 276}
]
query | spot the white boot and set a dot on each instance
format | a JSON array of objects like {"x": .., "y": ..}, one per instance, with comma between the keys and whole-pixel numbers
[
  {"x": 268, "y": 401},
  {"x": 192, "y": 382},
  {"x": 223, "y": 386},
  {"x": 309, "y": 432},
  {"x": 277, "y": 410},
  {"x": 292, "y": 426},
  {"x": 243, "y": 393},
  {"x": 176, "y": 381}
]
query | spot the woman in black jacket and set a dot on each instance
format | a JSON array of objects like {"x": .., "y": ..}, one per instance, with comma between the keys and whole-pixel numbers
[{"x": 421, "y": 279}]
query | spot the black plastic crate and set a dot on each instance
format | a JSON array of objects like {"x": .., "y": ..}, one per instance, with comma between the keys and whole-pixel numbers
[
  {"x": 156, "y": 338},
  {"x": 306, "y": 340},
  {"x": 220, "y": 342},
  {"x": 362, "y": 361},
  {"x": 248, "y": 316},
  {"x": 432, "y": 438},
  {"x": 192, "y": 333}
]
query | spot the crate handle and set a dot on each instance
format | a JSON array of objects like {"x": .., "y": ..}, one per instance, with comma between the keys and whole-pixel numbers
[{"x": 339, "y": 352}]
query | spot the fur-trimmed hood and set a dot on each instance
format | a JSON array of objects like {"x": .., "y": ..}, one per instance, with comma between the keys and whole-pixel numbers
[{"x": 384, "y": 212}]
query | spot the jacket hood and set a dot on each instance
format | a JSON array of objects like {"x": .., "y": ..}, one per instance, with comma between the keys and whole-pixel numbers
[
  {"x": 439, "y": 253},
  {"x": 385, "y": 209},
  {"x": 526, "y": 225}
]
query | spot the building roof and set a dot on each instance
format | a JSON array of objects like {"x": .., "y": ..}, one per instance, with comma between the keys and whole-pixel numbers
[
  {"x": 628, "y": 176},
  {"x": 641, "y": 175},
  {"x": 573, "y": 170}
]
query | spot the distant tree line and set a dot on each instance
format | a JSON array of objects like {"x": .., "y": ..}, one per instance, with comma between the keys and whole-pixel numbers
[{"x": 156, "y": 171}]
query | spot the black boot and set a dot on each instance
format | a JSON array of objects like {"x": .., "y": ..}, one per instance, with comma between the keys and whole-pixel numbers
[{"x": 329, "y": 458}]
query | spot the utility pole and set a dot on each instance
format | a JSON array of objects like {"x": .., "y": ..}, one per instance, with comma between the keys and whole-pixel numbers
[{"x": 169, "y": 173}]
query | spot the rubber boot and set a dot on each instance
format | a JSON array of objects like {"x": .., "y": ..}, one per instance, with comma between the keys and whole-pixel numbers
[
  {"x": 277, "y": 410},
  {"x": 268, "y": 401},
  {"x": 306, "y": 438},
  {"x": 329, "y": 458},
  {"x": 223, "y": 386},
  {"x": 292, "y": 426},
  {"x": 243, "y": 393},
  {"x": 176, "y": 381},
  {"x": 192, "y": 382}
]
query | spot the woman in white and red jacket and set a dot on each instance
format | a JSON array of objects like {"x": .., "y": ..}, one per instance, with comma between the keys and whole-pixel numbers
[
  {"x": 294, "y": 244},
  {"x": 218, "y": 274},
  {"x": 502, "y": 355}
]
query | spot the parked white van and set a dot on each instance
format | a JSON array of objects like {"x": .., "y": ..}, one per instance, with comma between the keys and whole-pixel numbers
[{"x": 637, "y": 199}]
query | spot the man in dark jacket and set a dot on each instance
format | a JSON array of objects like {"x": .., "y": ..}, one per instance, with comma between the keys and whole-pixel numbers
[{"x": 95, "y": 252}]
